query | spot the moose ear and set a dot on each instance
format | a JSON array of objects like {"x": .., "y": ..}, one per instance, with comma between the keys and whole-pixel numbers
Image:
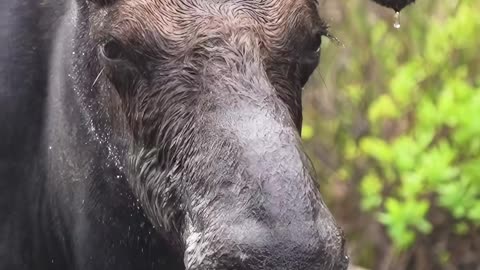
[{"x": 397, "y": 5}]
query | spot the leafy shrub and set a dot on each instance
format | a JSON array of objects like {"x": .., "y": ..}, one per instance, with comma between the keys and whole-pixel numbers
[
  {"x": 418, "y": 90},
  {"x": 435, "y": 159}
]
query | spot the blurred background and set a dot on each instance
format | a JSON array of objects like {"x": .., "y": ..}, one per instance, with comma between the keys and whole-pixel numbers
[{"x": 392, "y": 125}]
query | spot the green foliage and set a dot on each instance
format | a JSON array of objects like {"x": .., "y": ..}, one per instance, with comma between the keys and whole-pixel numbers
[
  {"x": 307, "y": 132},
  {"x": 403, "y": 217},
  {"x": 423, "y": 110},
  {"x": 437, "y": 154}
]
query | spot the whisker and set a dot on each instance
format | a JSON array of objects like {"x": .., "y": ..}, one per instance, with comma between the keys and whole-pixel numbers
[
  {"x": 323, "y": 80},
  {"x": 98, "y": 77}
]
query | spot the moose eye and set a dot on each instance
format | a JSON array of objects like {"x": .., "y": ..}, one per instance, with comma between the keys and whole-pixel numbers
[
  {"x": 314, "y": 45},
  {"x": 310, "y": 59},
  {"x": 112, "y": 50}
]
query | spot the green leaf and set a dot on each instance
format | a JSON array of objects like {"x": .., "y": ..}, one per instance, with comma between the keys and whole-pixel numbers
[
  {"x": 371, "y": 188},
  {"x": 405, "y": 83},
  {"x": 307, "y": 132},
  {"x": 377, "y": 149},
  {"x": 474, "y": 212},
  {"x": 383, "y": 108}
]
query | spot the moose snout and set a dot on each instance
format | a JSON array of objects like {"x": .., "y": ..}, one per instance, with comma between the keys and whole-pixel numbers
[
  {"x": 297, "y": 246},
  {"x": 251, "y": 245},
  {"x": 268, "y": 215}
]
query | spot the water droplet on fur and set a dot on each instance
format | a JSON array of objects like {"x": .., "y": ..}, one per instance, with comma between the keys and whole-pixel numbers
[
  {"x": 119, "y": 176},
  {"x": 396, "y": 22},
  {"x": 50, "y": 147}
]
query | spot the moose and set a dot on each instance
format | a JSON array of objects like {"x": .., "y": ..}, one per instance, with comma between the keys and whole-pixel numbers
[{"x": 160, "y": 134}]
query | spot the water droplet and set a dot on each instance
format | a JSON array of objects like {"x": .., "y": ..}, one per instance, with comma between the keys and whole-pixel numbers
[
  {"x": 396, "y": 23},
  {"x": 119, "y": 176},
  {"x": 50, "y": 147}
]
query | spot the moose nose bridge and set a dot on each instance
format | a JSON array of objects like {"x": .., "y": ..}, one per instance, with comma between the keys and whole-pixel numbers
[
  {"x": 293, "y": 224},
  {"x": 300, "y": 227},
  {"x": 281, "y": 220}
]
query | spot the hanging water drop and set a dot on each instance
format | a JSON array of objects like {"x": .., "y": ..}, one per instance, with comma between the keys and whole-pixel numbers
[{"x": 396, "y": 23}]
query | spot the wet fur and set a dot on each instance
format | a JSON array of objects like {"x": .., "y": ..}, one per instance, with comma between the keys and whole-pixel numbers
[{"x": 146, "y": 161}]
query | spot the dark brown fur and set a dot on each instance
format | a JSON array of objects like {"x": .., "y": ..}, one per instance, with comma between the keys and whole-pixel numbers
[{"x": 171, "y": 139}]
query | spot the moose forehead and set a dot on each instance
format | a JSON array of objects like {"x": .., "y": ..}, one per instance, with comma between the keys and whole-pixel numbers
[{"x": 273, "y": 21}]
